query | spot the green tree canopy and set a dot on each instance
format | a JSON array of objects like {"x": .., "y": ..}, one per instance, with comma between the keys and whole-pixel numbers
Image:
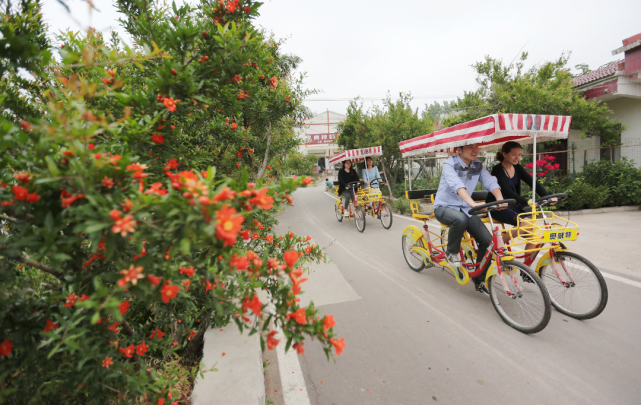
[
  {"x": 385, "y": 125},
  {"x": 545, "y": 88}
]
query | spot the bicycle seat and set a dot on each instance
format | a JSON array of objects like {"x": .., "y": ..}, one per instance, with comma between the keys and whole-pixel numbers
[
  {"x": 423, "y": 215},
  {"x": 479, "y": 195}
]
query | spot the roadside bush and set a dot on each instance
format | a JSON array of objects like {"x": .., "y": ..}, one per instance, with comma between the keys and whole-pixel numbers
[
  {"x": 134, "y": 212},
  {"x": 585, "y": 195},
  {"x": 402, "y": 205},
  {"x": 622, "y": 178}
]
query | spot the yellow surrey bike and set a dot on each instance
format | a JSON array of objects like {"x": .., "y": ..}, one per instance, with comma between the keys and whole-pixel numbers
[
  {"x": 576, "y": 287},
  {"x": 356, "y": 210},
  {"x": 367, "y": 199},
  {"x": 374, "y": 204},
  {"x": 516, "y": 292}
]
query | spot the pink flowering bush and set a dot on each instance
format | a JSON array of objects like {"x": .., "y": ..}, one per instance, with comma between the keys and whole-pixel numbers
[{"x": 544, "y": 166}]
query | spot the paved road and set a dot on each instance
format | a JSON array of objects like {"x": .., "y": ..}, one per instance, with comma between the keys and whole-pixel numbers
[{"x": 420, "y": 338}]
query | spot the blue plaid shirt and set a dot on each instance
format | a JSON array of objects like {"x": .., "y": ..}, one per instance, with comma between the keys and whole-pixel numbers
[{"x": 456, "y": 175}]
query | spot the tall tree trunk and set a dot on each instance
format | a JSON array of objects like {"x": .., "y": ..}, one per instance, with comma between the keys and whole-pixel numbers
[
  {"x": 389, "y": 188},
  {"x": 266, "y": 159}
]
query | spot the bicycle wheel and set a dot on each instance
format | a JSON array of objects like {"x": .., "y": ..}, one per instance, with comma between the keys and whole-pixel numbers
[
  {"x": 339, "y": 212},
  {"x": 359, "y": 213},
  {"x": 527, "y": 312},
  {"x": 413, "y": 259},
  {"x": 584, "y": 298},
  {"x": 386, "y": 216},
  {"x": 444, "y": 233}
]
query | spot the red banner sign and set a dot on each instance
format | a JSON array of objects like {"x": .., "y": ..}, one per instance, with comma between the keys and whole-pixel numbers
[{"x": 319, "y": 139}]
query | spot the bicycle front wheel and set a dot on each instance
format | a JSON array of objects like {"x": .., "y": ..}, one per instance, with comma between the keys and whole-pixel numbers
[
  {"x": 413, "y": 258},
  {"x": 583, "y": 298},
  {"x": 339, "y": 212},
  {"x": 527, "y": 306},
  {"x": 386, "y": 216},
  {"x": 359, "y": 213}
]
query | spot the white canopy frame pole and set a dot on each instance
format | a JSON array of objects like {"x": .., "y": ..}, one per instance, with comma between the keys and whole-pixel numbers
[
  {"x": 409, "y": 169},
  {"x": 534, "y": 173}
]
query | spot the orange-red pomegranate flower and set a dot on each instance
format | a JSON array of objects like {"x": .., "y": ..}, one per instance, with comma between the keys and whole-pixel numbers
[
  {"x": 299, "y": 347},
  {"x": 71, "y": 299},
  {"x": 299, "y": 316},
  {"x": 228, "y": 225},
  {"x": 124, "y": 225},
  {"x": 170, "y": 103},
  {"x": 254, "y": 304},
  {"x": 262, "y": 199},
  {"x": 225, "y": 194},
  {"x": 290, "y": 257},
  {"x": 187, "y": 271},
  {"x": 131, "y": 275},
  {"x": 339, "y": 345},
  {"x": 169, "y": 291},
  {"x": 272, "y": 342}
]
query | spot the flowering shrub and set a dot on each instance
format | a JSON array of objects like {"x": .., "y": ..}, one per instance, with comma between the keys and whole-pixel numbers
[
  {"x": 130, "y": 224},
  {"x": 546, "y": 165}
]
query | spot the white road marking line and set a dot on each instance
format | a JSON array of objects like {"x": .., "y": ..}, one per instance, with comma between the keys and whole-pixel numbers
[
  {"x": 487, "y": 346},
  {"x": 621, "y": 279},
  {"x": 291, "y": 375},
  {"x": 603, "y": 273}
]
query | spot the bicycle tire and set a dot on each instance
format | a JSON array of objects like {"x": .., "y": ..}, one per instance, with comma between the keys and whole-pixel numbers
[
  {"x": 535, "y": 299},
  {"x": 339, "y": 212},
  {"x": 386, "y": 212},
  {"x": 566, "y": 299},
  {"x": 360, "y": 222},
  {"x": 411, "y": 258}
]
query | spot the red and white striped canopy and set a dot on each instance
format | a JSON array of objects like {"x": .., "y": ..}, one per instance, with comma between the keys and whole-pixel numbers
[
  {"x": 490, "y": 132},
  {"x": 356, "y": 155}
]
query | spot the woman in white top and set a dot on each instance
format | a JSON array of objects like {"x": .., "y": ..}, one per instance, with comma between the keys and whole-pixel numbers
[{"x": 370, "y": 173}]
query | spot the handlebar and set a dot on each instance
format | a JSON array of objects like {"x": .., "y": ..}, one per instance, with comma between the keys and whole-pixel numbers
[
  {"x": 353, "y": 184},
  {"x": 376, "y": 180},
  {"x": 543, "y": 201},
  {"x": 490, "y": 206}
]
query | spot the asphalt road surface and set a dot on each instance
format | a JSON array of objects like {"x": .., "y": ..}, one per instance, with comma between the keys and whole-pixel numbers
[{"x": 421, "y": 338}]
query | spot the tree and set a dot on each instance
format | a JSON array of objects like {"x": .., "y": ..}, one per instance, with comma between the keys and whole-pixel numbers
[
  {"x": 437, "y": 111},
  {"x": 301, "y": 165},
  {"x": 130, "y": 224},
  {"x": 386, "y": 126},
  {"x": 544, "y": 89}
]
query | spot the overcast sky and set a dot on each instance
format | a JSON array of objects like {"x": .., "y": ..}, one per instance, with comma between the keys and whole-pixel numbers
[{"x": 366, "y": 48}]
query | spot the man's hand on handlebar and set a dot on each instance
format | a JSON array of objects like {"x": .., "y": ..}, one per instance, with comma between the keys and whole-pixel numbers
[{"x": 476, "y": 204}]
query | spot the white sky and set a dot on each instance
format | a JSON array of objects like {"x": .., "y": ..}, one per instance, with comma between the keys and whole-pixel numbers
[{"x": 369, "y": 47}]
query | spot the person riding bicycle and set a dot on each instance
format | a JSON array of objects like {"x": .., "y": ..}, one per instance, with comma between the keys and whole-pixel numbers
[
  {"x": 509, "y": 173},
  {"x": 347, "y": 175},
  {"x": 371, "y": 174},
  {"x": 461, "y": 174}
]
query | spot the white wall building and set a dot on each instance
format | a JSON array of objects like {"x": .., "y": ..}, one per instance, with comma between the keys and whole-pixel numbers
[
  {"x": 318, "y": 135},
  {"x": 617, "y": 84}
]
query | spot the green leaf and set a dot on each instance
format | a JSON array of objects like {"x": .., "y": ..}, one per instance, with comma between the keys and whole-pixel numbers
[{"x": 185, "y": 246}]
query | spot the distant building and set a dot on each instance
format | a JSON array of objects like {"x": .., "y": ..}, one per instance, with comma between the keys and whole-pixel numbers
[
  {"x": 618, "y": 84},
  {"x": 318, "y": 136}
]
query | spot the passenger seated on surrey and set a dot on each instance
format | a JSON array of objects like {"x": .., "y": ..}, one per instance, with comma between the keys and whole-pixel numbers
[{"x": 461, "y": 174}]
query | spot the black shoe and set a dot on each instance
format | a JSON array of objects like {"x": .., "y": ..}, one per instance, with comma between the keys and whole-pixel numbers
[{"x": 479, "y": 285}]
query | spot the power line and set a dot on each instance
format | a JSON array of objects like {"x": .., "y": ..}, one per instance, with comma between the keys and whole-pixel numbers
[{"x": 433, "y": 97}]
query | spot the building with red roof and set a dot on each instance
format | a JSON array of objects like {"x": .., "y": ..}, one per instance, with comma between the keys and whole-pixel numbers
[{"x": 618, "y": 84}]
